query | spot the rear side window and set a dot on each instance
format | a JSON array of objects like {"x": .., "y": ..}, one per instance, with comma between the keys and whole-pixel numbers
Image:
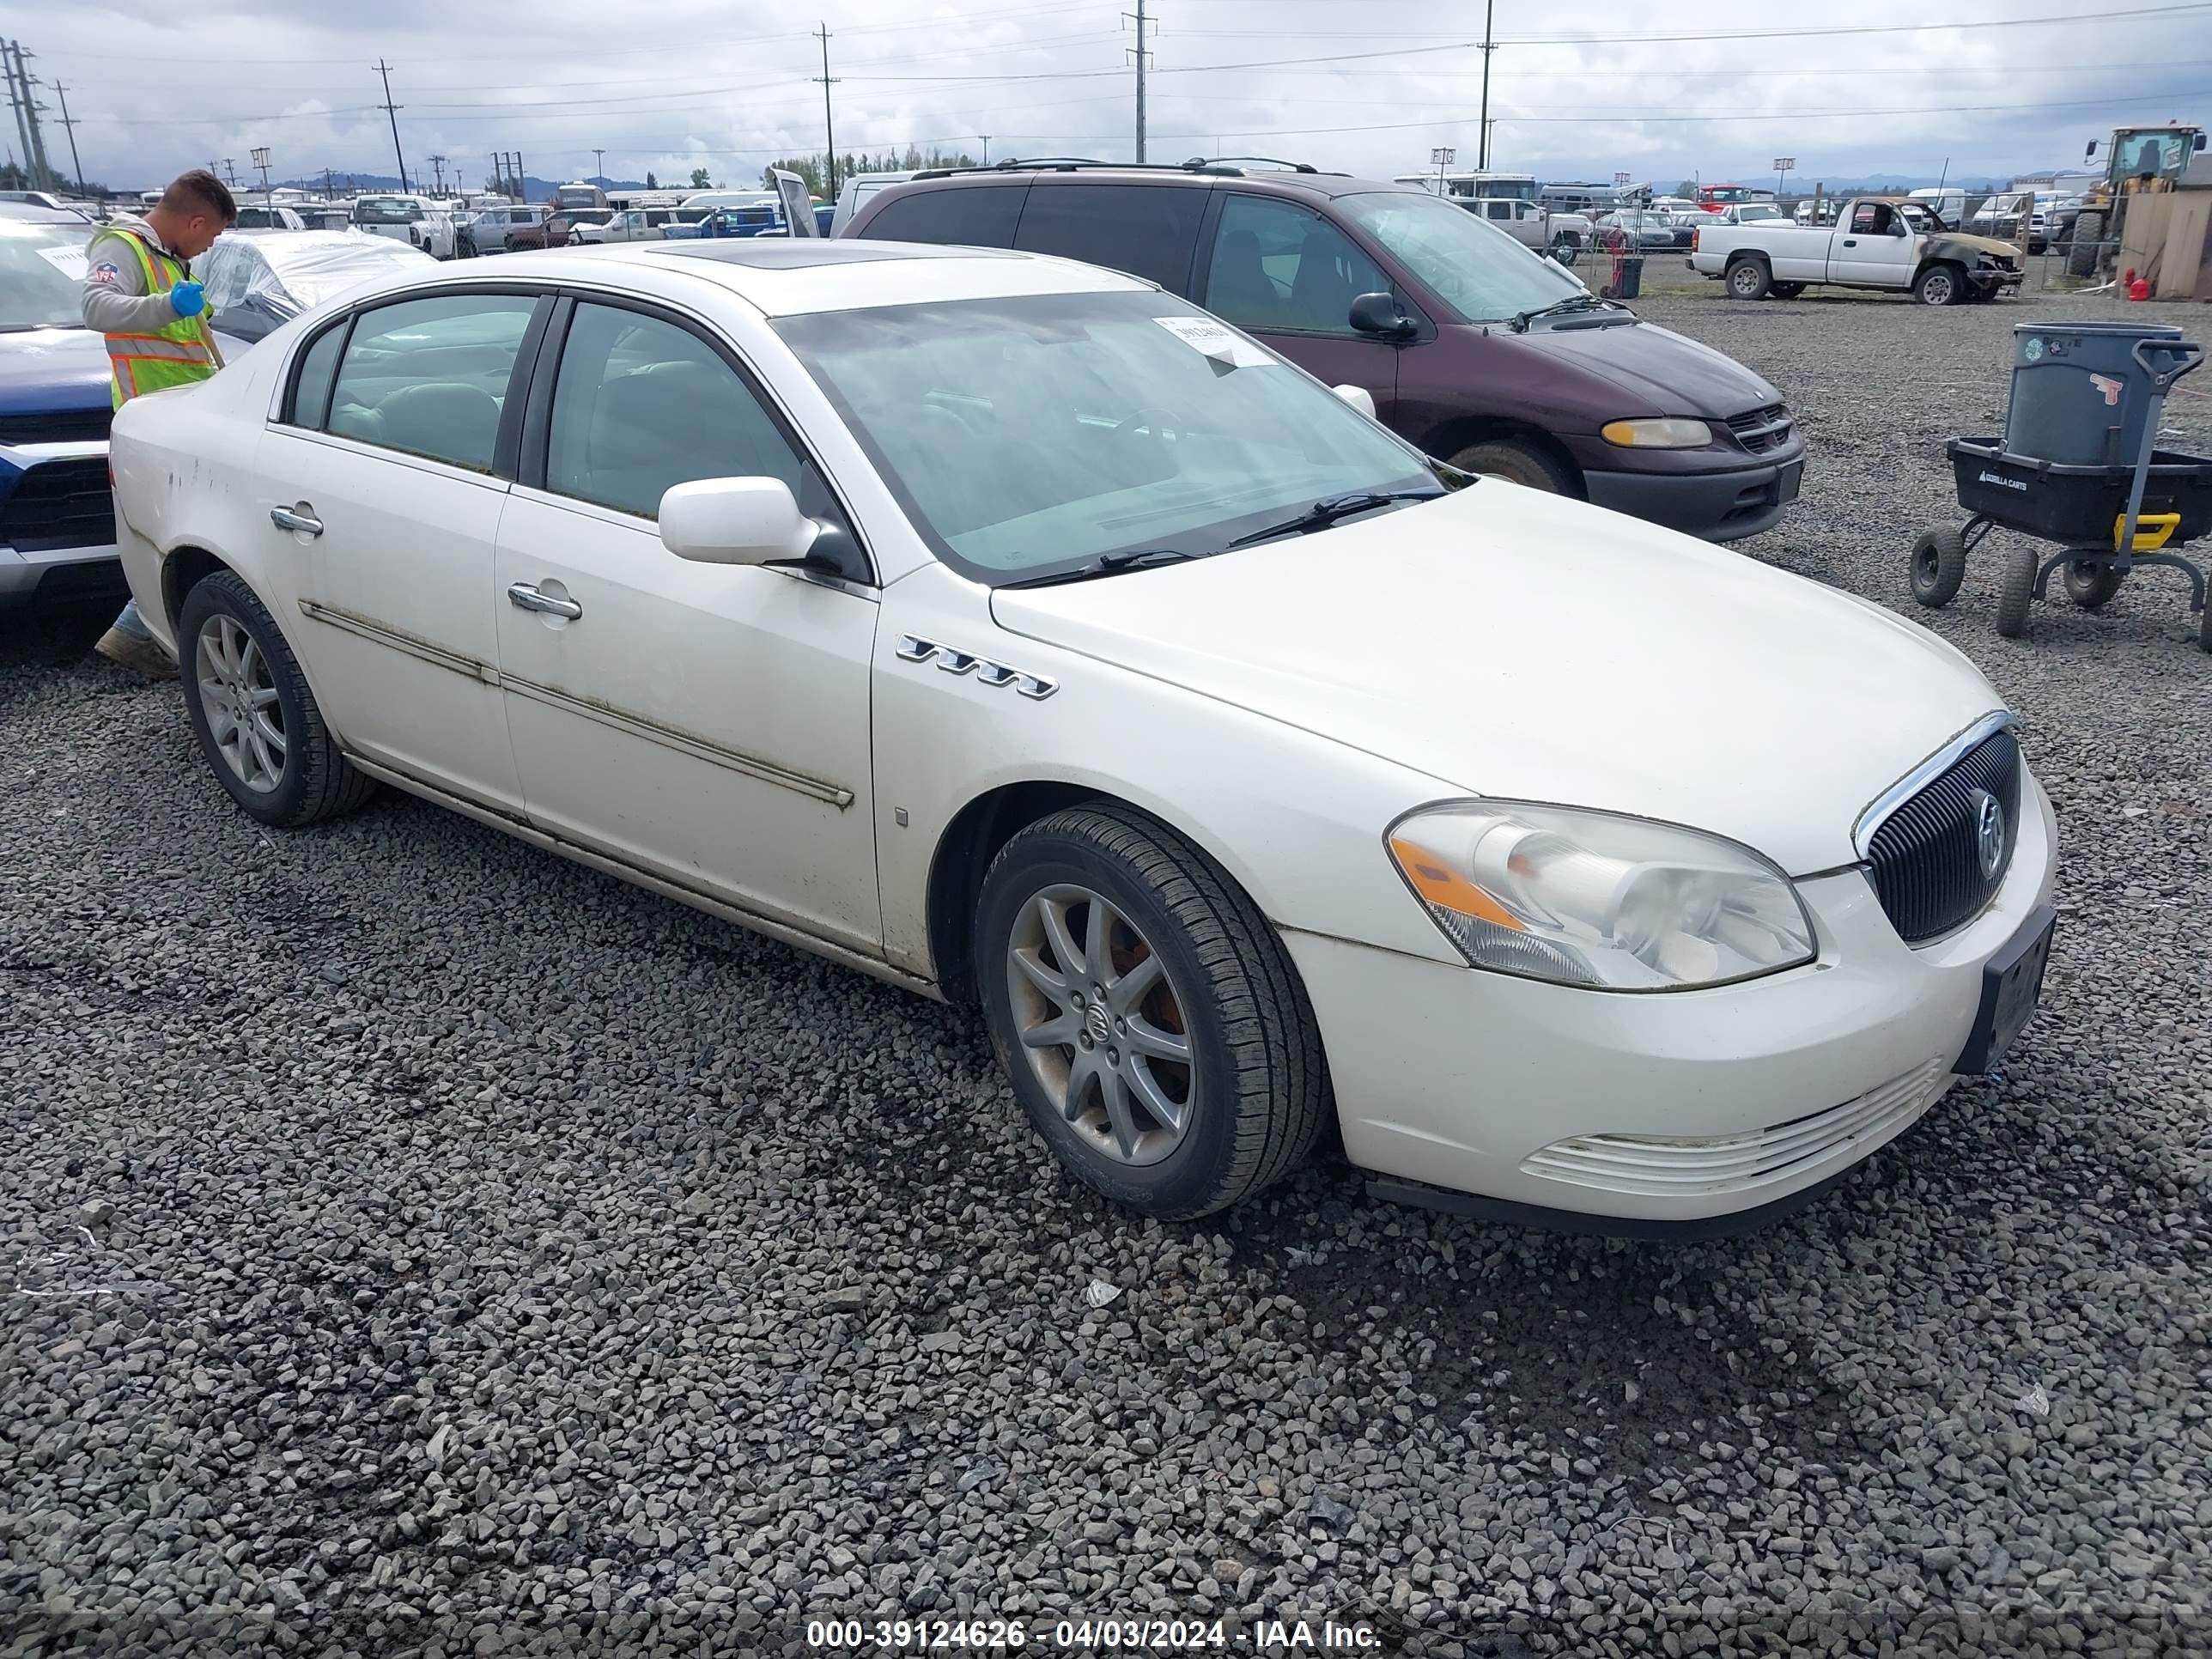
[
  {"x": 1147, "y": 231},
  {"x": 430, "y": 376},
  {"x": 981, "y": 216},
  {"x": 311, "y": 393}
]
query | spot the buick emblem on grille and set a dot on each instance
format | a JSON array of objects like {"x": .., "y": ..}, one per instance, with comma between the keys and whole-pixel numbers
[{"x": 1989, "y": 833}]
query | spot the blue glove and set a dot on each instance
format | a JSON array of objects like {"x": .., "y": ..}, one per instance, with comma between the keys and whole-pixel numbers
[{"x": 189, "y": 299}]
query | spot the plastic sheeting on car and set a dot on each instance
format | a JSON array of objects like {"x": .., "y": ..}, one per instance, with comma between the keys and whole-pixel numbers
[{"x": 257, "y": 280}]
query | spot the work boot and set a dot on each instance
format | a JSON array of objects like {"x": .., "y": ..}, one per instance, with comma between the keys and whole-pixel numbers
[{"x": 140, "y": 652}]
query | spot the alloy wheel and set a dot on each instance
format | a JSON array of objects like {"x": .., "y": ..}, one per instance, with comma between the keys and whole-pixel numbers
[
  {"x": 239, "y": 696},
  {"x": 1101, "y": 1024}
]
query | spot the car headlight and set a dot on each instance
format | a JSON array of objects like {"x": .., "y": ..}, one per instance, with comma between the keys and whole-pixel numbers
[
  {"x": 1592, "y": 899},
  {"x": 1668, "y": 434}
]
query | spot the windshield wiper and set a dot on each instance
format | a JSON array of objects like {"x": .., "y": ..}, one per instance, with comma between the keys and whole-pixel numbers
[
  {"x": 1573, "y": 302},
  {"x": 1322, "y": 515},
  {"x": 1109, "y": 564}
]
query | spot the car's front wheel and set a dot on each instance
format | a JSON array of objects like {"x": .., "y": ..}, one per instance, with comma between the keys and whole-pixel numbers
[
  {"x": 1148, "y": 1017},
  {"x": 252, "y": 711}
]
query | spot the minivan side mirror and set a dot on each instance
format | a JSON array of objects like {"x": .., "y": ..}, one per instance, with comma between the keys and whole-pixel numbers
[
  {"x": 1358, "y": 397},
  {"x": 735, "y": 521},
  {"x": 1378, "y": 313}
]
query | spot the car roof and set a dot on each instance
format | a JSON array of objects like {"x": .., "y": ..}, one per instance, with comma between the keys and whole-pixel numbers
[
  {"x": 30, "y": 213},
  {"x": 1277, "y": 180},
  {"x": 795, "y": 275}
]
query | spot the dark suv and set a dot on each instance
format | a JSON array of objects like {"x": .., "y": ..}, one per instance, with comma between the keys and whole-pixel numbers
[{"x": 1479, "y": 351}]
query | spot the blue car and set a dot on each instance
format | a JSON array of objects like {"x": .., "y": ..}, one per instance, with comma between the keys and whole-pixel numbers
[{"x": 57, "y": 517}]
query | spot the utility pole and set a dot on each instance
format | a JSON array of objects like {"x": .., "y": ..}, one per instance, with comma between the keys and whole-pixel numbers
[
  {"x": 599, "y": 160},
  {"x": 986, "y": 137},
  {"x": 1489, "y": 45},
  {"x": 230, "y": 172},
  {"x": 261, "y": 160},
  {"x": 69, "y": 125},
  {"x": 27, "y": 117},
  {"x": 1144, "y": 57},
  {"x": 19, "y": 103},
  {"x": 329, "y": 195},
  {"x": 439, "y": 163},
  {"x": 392, "y": 111},
  {"x": 829, "y": 129}
]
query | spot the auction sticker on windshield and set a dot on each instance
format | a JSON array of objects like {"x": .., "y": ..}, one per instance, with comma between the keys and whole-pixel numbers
[
  {"x": 69, "y": 261},
  {"x": 1215, "y": 340}
]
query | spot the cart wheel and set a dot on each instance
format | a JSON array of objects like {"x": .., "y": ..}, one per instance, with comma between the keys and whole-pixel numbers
[
  {"x": 2090, "y": 583},
  {"x": 2018, "y": 588},
  {"x": 2204, "y": 627},
  {"x": 1939, "y": 565}
]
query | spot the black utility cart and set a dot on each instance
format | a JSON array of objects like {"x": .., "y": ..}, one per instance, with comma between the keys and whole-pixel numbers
[{"x": 2079, "y": 464}]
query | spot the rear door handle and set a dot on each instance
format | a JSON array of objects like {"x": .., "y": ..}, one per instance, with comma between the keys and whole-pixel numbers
[
  {"x": 525, "y": 596},
  {"x": 298, "y": 519}
]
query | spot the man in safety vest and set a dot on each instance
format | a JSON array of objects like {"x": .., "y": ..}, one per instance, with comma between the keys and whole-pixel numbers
[{"x": 139, "y": 292}]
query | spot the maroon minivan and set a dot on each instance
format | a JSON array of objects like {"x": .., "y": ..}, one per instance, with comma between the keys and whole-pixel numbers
[{"x": 1477, "y": 349}]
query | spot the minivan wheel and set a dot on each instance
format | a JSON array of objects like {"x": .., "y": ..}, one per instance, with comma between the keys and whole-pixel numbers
[
  {"x": 1146, "y": 1014},
  {"x": 250, "y": 708},
  {"x": 1748, "y": 279},
  {"x": 1517, "y": 462}
]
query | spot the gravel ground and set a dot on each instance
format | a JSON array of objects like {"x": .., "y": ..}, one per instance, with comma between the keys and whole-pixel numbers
[{"x": 424, "y": 1246}]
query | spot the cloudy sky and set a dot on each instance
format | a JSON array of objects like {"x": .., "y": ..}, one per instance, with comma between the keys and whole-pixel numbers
[{"x": 1580, "y": 88}]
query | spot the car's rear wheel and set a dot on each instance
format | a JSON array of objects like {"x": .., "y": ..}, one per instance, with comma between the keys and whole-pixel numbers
[
  {"x": 253, "y": 714},
  {"x": 1516, "y": 461},
  {"x": 1749, "y": 279},
  {"x": 1148, "y": 1017}
]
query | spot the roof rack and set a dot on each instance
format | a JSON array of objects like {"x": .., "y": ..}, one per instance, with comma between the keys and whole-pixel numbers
[
  {"x": 1272, "y": 161},
  {"x": 1222, "y": 166}
]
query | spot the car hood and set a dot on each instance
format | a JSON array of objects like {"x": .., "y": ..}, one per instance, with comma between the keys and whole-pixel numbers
[
  {"x": 1959, "y": 241},
  {"x": 1521, "y": 645},
  {"x": 46, "y": 371},
  {"x": 1675, "y": 374}
]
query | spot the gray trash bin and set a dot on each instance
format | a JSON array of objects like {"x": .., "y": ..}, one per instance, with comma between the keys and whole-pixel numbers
[{"x": 2079, "y": 398}]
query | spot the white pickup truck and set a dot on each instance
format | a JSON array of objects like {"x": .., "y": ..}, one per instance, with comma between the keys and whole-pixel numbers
[
  {"x": 1872, "y": 244},
  {"x": 1532, "y": 224}
]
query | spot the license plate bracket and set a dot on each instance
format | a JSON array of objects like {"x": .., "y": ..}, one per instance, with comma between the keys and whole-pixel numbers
[{"x": 2012, "y": 985}]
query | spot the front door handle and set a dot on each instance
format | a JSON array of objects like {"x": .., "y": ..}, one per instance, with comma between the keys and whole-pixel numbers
[
  {"x": 525, "y": 596},
  {"x": 1850, "y": 242},
  {"x": 298, "y": 519}
]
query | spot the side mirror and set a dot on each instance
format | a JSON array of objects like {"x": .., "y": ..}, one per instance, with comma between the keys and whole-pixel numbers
[
  {"x": 1378, "y": 313},
  {"x": 735, "y": 521},
  {"x": 2199, "y": 144},
  {"x": 2091, "y": 151},
  {"x": 1358, "y": 398}
]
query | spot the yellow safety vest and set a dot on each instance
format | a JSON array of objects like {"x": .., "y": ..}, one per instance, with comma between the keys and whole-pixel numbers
[{"x": 178, "y": 353}]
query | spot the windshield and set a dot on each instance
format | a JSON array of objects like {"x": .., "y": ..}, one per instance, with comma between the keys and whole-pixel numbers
[
  {"x": 40, "y": 267},
  {"x": 1725, "y": 195},
  {"x": 1033, "y": 434},
  {"x": 386, "y": 210},
  {"x": 1482, "y": 274}
]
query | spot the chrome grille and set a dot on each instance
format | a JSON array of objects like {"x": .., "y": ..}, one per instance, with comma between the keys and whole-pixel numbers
[
  {"x": 1923, "y": 858},
  {"x": 1761, "y": 429}
]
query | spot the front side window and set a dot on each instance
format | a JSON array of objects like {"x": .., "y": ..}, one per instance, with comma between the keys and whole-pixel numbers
[
  {"x": 430, "y": 376},
  {"x": 640, "y": 404},
  {"x": 1148, "y": 231},
  {"x": 1280, "y": 267},
  {"x": 1477, "y": 270},
  {"x": 1029, "y": 435}
]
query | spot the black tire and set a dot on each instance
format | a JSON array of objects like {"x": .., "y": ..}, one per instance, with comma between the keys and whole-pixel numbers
[
  {"x": 1940, "y": 285},
  {"x": 1564, "y": 246},
  {"x": 1786, "y": 290},
  {"x": 2090, "y": 585},
  {"x": 317, "y": 781},
  {"x": 2018, "y": 589},
  {"x": 1939, "y": 565},
  {"x": 1521, "y": 462},
  {"x": 1259, "y": 1084},
  {"x": 1749, "y": 279},
  {"x": 2082, "y": 254},
  {"x": 2204, "y": 627}
]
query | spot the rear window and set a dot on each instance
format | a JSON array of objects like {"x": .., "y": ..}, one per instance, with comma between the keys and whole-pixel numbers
[
  {"x": 976, "y": 217},
  {"x": 1148, "y": 231}
]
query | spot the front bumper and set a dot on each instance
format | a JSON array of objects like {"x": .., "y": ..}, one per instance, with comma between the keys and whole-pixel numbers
[
  {"x": 1716, "y": 506},
  {"x": 1673, "y": 1108},
  {"x": 61, "y": 576}
]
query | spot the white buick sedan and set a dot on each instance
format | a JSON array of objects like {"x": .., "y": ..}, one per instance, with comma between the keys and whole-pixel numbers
[{"x": 1005, "y": 628}]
